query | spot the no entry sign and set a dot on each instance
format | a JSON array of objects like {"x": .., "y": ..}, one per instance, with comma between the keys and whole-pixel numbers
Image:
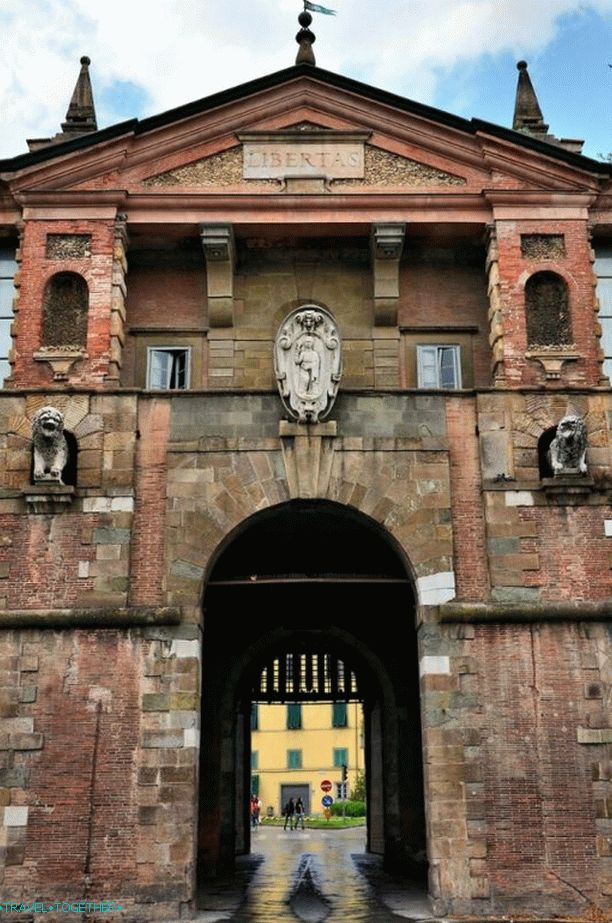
[{"x": 326, "y": 785}]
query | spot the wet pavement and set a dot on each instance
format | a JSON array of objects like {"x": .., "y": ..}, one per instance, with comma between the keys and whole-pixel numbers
[{"x": 312, "y": 876}]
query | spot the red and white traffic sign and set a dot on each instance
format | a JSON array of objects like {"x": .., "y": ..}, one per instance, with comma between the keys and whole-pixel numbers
[{"x": 326, "y": 785}]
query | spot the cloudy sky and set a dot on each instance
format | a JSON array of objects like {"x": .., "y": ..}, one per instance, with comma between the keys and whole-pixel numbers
[{"x": 459, "y": 55}]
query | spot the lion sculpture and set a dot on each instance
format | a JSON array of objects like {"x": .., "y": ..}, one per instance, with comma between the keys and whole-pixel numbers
[
  {"x": 568, "y": 449},
  {"x": 50, "y": 446}
]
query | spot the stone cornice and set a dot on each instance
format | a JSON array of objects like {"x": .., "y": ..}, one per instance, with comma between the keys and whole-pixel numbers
[
  {"x": 103, "y": 617},
  {"x": 545, "y": 611}
]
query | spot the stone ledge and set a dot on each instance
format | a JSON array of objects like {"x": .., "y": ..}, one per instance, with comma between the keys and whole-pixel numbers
[
  {"x": 594, "y": 735},
  {"x": 111, "y": 617},
  {"x": 48, "y": 497},
  {"x": 547, "y": 611}
]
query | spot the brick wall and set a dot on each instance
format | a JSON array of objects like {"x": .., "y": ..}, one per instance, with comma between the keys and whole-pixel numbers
[{"x": 35, "y": 271}]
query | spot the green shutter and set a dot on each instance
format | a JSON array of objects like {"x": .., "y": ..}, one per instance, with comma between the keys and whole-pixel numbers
[
  {"x": 254, "y": 717},
  {"x": 294, "y": 759},
  {"x": 340, "y": 757},
  {"x": 339, "y": 715},
  {"x": 294, "y": 717},
  {"x": 255, "y": 785}
]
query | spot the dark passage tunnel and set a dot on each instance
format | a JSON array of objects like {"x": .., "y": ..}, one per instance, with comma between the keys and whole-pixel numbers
[{"x": 311, "y": 584}]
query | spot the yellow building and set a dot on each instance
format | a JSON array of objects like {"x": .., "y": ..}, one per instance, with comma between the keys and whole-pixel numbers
[{"x": 294, "y": 748}]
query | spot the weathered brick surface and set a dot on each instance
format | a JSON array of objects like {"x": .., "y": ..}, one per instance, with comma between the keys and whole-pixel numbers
[
  {"x": 109, "y": 788},
  {"x": 512, "y": 793},
  {"x": 36, "y": 270},
  {"x": 467, "y": 514},
  {"x": 509, "y": 278}
]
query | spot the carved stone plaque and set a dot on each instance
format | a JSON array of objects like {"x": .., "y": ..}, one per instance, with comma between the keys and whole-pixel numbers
[
  {"x": 295, "y": 152},
  {"x": 277, "y": 160},
  {"x": 308, "y": 363}
]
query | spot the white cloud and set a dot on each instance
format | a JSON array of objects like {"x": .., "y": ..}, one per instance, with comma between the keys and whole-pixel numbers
[{"x": 178, "y": 50}]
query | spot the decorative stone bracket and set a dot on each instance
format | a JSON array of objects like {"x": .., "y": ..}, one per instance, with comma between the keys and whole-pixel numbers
[
  {"x": 308, "y": 454},
  {"x": 569, "y": 487},
  {"x": 386, "y": 244},
  {"x": 48, "y": 498},
  {"x": 60, "y": 358},
  {"x": 220, "y": 254},
  {"x": 552, "y": 359}
]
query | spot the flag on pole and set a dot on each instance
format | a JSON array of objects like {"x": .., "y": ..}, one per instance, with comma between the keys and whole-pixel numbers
[{"x": 316, "y": 8}]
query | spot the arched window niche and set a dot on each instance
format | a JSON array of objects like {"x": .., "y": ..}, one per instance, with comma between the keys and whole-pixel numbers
[
  {"x": 65, "y": 309},
  {"x": 548, "y": 320},
  {"x": 64, "y": 323},
  {"x": 547, "y": 311}
]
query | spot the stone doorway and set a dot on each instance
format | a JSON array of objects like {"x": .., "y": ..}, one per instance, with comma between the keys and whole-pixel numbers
[{"x": 316, "y": 580}]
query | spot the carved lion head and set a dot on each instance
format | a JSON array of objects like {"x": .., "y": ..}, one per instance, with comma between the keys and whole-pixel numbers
[
  {"x": 572, "y": 430},
  {"x": 48, "y": 423}
]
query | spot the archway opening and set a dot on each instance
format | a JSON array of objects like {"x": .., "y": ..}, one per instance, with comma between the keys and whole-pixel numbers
[{"x": 311, "y": 601}]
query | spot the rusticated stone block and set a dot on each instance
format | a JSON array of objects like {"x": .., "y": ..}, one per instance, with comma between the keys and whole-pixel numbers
[
  {"x": 162, "y": 739},
  {"x": 155, "y": 702}
]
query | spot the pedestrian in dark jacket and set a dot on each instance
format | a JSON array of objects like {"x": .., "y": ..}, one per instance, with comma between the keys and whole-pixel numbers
[
  {"x": 299, "y": 814},
  {"x": 289, "y": 811}
]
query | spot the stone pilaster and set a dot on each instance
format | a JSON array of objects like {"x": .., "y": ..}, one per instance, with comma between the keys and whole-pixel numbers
[
  {"x": 118, "y": 296},
  {"x": 496, "y": 327},
  {"x": 8, "y": 381}
]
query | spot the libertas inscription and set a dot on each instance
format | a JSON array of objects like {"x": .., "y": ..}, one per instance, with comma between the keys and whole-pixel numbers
[{"x": 332, "y": 154}]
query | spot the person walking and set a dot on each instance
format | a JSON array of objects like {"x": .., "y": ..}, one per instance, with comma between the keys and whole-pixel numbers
[
  {"x": 289, "y": 811},
  {"x": 255, "y": 811},
  {"x": 299, "y": 814}
]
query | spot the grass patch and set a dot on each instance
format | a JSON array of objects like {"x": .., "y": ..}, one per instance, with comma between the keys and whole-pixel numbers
[{"x": 318, "y": 823}]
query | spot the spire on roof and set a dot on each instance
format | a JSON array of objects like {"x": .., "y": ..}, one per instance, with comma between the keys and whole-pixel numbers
[
  {"x": 305, "y": 39},
  {"x": 528, "y": 116},
  {"x": 527, "y": 113},
  {"x": 81, "y": 115}
]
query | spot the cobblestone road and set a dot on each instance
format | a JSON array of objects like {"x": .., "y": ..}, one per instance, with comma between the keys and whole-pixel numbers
[{"x": 312, "y": 876}]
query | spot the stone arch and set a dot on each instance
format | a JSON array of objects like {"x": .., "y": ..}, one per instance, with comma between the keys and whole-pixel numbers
[
  {"x": 65, "y": 310},
  {"x": 547, "y": 310},
  {"x": 318, "y": 607},
  {"x": 256, "y": 481}
]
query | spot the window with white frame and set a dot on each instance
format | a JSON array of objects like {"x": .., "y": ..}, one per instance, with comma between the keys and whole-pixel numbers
[
  {"x": 341, "y": 790},
  {"x": 8, "y": 267},
  {"x": 439, "y": 366},
  {"x": 603, "y": 269},
  {"x": 168, "y": 367}
]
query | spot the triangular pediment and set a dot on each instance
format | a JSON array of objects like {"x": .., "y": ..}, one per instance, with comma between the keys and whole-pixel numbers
[
  {"x": 406, "y": 146},
  {"x": 380, "y": 168}
]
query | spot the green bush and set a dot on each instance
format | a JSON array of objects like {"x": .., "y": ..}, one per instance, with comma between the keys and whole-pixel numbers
[
  {"x": 352, "y": 808},
  {"x": 358, "y": 790}
]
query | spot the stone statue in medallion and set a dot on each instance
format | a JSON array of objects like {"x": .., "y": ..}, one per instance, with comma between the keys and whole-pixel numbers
[{"x": 308, "y": 363}]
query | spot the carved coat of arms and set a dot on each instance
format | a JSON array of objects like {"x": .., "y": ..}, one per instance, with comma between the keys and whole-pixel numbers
[{"x": 308, "y": 363}]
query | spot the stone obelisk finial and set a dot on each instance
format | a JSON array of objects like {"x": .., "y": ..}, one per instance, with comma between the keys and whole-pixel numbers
[
  {"x": 527, "y": 113},
  {"x": 81, "y": 115},
  {"x": 305, "y": 39}
]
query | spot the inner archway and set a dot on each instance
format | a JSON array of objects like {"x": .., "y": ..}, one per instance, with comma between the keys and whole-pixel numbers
[{"x": 311, "y": 601}]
